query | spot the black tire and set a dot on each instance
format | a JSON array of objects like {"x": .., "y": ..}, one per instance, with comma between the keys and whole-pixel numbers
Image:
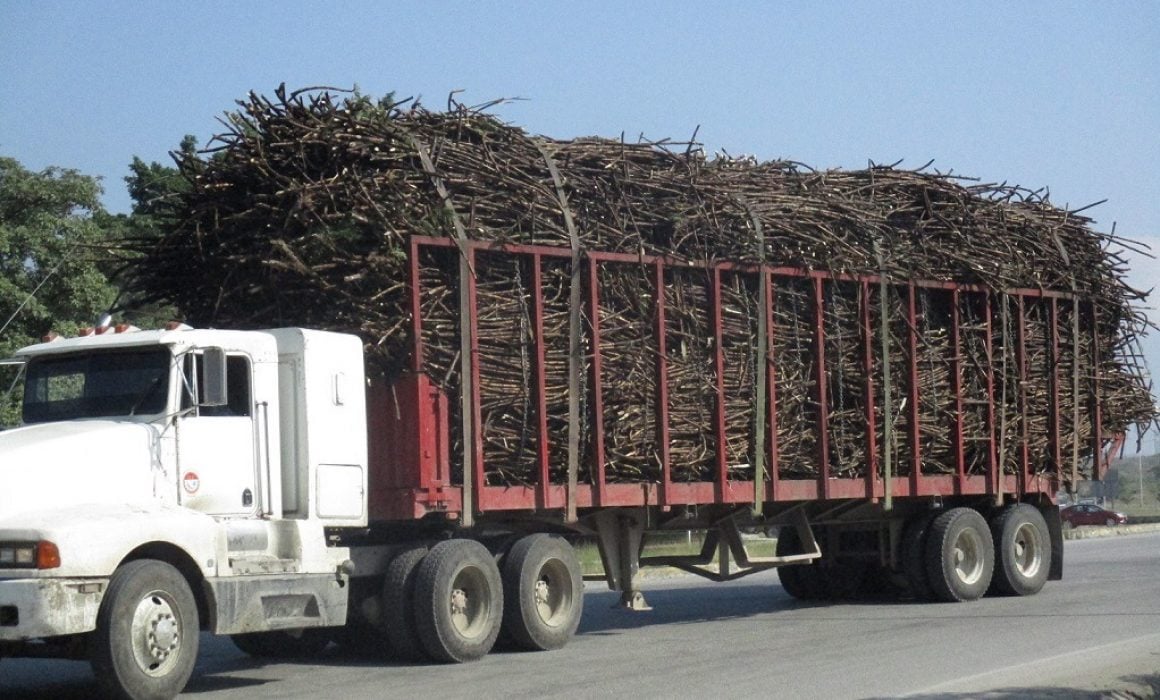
[
  {"x": 913, "y": 553},
  {"x": 1110, "y": 522},
  {"x": 145, "y": 643},
  {"x": 543, "y": 592},
  {"x": 458, "y": 601},
  {"x": 801, "y": 581},
  {"x": 284, "y": 644},
  {"x": 399, "y": 605},
  {"x": 1022, "y": 550},
  {"x": 960, "y": 555}
]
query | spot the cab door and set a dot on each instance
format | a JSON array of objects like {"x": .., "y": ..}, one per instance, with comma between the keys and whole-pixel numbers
[{"x": 216, "y": 445}]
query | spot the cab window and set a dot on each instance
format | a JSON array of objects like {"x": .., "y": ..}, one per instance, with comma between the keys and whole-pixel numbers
[{"x": 237, "y": 386}]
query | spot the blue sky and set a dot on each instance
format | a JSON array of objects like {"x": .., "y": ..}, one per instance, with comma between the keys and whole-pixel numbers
[{"x": 1058, "y": 94}]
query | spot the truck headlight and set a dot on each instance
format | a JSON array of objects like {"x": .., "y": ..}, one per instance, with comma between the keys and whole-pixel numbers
[{"x": 29, "y": 555}]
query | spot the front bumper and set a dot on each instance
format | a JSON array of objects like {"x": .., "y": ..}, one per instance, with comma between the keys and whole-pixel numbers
[{"x": 39, "y": 608}]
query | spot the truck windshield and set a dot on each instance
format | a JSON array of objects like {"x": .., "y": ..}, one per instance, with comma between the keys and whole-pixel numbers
[{"x": 95, "y": 385}]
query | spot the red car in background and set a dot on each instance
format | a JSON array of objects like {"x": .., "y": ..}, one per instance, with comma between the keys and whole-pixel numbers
[{"x": 1087, "y": 514}]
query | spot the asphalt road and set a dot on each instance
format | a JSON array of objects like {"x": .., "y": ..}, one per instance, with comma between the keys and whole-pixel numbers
[{"x": 1096, "y": 631}]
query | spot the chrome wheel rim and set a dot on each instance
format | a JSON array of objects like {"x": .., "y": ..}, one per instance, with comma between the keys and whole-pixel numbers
[
  {"x": 469, "y": 603},
  {"x": 967, "y": 556},
  {"x": 552, "y": 593},
  {"x": 155, "y": 633},
  {"x": 1026, "y": 553}
]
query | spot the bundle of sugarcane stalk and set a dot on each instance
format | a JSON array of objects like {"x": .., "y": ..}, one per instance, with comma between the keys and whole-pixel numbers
[{"x": 302, "y": 211}]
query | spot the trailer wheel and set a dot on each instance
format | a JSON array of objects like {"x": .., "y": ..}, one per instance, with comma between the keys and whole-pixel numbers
[
  {"x": 399, "y": 604},
  {"x": 543, "y": 592},
  {"x": 1022, "y": 550},
  {"x": 458, "y": 601},
  {"x": 145, "y": 643},
  {"x": 914, "y": 536},
  {"x": 960, "y": 555},
  {"x": 801, "y": 581},
  {"x": 283, "y": 644}
]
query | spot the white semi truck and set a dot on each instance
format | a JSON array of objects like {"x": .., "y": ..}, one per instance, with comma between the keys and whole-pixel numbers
[
  {"x": 147, "y": 497},
  {"x": 256, "y": 484}
]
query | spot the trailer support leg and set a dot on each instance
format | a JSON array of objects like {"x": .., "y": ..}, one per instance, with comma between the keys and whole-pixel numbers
[{"x": 620, "y": 536}]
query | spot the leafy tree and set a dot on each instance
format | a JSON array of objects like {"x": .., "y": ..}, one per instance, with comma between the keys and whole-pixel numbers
[
  {"x": 154, "y": 188},
  {"x": 53, "y": 259}
]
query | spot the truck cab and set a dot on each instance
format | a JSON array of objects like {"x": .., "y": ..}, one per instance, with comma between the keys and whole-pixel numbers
[{"x": 168, "y": 481}]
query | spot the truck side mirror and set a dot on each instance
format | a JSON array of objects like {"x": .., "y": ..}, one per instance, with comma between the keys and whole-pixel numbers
[{"x": 214, "y": 391}]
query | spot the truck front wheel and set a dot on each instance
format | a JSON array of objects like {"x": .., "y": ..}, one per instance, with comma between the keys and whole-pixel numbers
[
  {"x": 145, "y": 643},
  {"x": 458, "y": 601},
  {"x": 543, "y": 592}
]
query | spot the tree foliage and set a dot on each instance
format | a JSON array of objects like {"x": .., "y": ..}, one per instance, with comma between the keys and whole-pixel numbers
[{"x": 54, "y": 264}]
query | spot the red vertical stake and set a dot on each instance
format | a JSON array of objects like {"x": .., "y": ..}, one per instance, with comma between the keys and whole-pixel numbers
[
  {"x": 719, "y": 372},
  {"x": 957, "y": 390},
  {"x": 915, "y": 432},
  {"x": 1097, "y": 404},
  {"x": 868, "y": 392},
  {"x": 541, "y": 400},
  {"x": 597, "y": 385},
  {"x": 771, "y": 380},
  {"x": 662, "y": 413},
  {"x": 1053, "y": 426},
  {"x": 994, "y": 486},
  {"x": 822, "y": 398},
  {"x": 1024, "y": 417},
  {"x": 416, "y": 307},
  {"x": 477, "y": 418}
]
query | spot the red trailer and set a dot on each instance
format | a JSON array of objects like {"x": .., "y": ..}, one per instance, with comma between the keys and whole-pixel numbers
[{"x": 989, "y": 495}]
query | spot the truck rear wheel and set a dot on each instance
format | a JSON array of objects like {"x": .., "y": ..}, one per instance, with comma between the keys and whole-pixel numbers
[
  {"x": 458, "y": 601},
  {"x": 801, "y": 581},
  {"x": 960, "y": 555},
  {"x": 914, "y": 536},
  {"x": 543, "y": 592},
  {"x": 145, "y": 643},
  {"x": 399, "y": 604},
  {"x": 1022, "y": 550},
  {"x": 283, "y": 644}
]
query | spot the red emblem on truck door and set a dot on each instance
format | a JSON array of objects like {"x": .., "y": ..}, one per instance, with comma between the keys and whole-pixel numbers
[{"x": 191, "y": 482}]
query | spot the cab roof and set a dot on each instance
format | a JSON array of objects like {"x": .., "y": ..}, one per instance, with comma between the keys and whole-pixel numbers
[{"x": 182, "y": 337}]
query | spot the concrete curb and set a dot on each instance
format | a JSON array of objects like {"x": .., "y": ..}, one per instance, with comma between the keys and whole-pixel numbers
[{"x": 1087, "y": 532}]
